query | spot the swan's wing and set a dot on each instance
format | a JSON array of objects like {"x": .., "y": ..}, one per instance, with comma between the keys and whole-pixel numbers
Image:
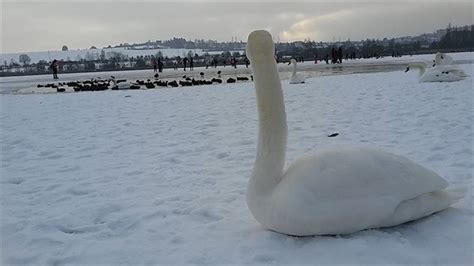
[
  {"x": 448, "y": 70},
  {"x": 297, "y": 78},
  {"x": 421, "y": 206},
  {"x": 301, "y": 78},
  {"x": 343, "y": 191},
  {"x": 459, "y": 72},
  {"x": 361, "y": 173}
]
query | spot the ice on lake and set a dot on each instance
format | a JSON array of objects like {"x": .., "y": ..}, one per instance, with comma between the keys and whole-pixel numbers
[{"x": 159, "y": 176}]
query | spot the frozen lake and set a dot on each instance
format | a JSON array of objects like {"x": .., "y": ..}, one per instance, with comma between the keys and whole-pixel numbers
[
  {"x": 13, "y": 84},
  {"x": 159, "y": 176}
]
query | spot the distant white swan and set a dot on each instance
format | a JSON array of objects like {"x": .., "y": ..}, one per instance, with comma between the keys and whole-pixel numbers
[
  {"x": 442, "y": 59},
  {"x": 124, "y": 85},
  {"x": 336, "y": 191},
  {"x": 441, "y": 73},
  {"x": 295, "y": 77}
]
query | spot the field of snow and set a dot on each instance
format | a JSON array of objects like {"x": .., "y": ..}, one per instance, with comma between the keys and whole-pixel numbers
[{"x": 159, "y": 176}]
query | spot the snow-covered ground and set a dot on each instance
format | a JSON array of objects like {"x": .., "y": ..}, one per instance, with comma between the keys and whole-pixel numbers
[{"x": 159, "y": 176}]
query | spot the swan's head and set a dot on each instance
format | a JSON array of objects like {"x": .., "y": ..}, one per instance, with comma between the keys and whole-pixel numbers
[
  {"x": 407, "y": 69},
  {"x": 260, "y": 45},
  {"x": 292, "y": 61}
]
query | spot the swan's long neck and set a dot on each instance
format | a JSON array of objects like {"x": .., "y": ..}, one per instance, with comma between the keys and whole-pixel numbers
[
  {"x": 420, "y": 66},
  {"x": 272, "y": 131},
  {"x": 294, "y": 68}
]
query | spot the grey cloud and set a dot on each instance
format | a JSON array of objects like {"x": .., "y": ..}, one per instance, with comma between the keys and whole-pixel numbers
[{"x": 28, "y": 26}]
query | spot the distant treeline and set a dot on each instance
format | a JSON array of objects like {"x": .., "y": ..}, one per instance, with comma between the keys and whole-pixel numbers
[{"x": 454, "y": 40}]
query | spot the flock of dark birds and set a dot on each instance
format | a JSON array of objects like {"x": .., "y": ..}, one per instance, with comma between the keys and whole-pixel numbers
[{"x": 100, "y": 84}]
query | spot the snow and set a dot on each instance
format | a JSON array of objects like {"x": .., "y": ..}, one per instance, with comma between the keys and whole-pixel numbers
[{"x": 159, "y": 176}]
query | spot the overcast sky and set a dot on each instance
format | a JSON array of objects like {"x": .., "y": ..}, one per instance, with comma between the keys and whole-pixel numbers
[{"x": 41, "y": 26}]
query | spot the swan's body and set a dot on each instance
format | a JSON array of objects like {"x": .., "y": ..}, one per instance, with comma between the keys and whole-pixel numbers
[
  {"x": 120, "y": 85},
  {"x": 296, "y": 78},
  {"x": 442, "y": 59},
  {"x": 440, "y": 73},
  {"x": 332, "y": 192},
  {"x": 124, "y": 85}
]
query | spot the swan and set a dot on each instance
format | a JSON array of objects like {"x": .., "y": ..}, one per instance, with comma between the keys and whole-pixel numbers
[
  {"x": 439, "y": 73},
  {"x": 295, "y": 77},
  {"x": 442, "y": 59},
  {"x": 114, "y": 85},
  {"x": 338, "y": 191}
]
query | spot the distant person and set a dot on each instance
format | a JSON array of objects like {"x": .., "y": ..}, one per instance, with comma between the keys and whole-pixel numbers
[
  {"x": 54, "y": 67},
  {"x": 247, "y": 62},
  {"x": 175, "y": 65},
  {"x": 185, "y": 62},
  {"x": 160, "y": 65},
  {"x": 155, "y": 65},
  {"x": 316, "y": 58},
  {"x": 339, "y": 55},
  {"x": 233, "y": 62},
  {"x": 191, "y": 64},
  {"x": 333, "y": 55}
]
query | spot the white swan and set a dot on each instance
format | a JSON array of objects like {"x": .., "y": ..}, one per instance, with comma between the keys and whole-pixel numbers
[
  {"x": 125, "y": 85},
  {"x": 442, "y": 59},
  {"x": 336, "y": 191},
  {"x": 440, "y": 73},
  {"x": 295, "y": 77}
]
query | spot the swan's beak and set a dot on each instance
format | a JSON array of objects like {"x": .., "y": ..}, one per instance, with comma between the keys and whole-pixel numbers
[
  {"x": 408, "y": 68},
  {"x": 289, "y": 63}
]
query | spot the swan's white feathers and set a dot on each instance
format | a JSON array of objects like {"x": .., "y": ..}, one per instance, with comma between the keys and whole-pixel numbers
[
  {"x": 439, "y": 73},
  {"x": 296, "y": 78},
  {"x": 336, "y": 191},
  {"x": 347, "y": 190},
  {"x": 442, "y": 59},
  {"x": 340, "y": 171},
  {"x": 260, "y": 45}
]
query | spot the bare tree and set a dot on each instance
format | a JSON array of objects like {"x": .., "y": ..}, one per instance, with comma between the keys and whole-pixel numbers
[
  {"x": 190, "y": 54},
  {"x": 24, "y": 59},
  {"x": 102, "y": 56},
  {"x": 90, "y": 56}
]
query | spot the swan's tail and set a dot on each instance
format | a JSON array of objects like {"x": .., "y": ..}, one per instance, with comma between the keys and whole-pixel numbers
[
  {"x": 456, "y": 192},
  {"x": 462, "y": 73},
  {"x": 424, "y": 205}
]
